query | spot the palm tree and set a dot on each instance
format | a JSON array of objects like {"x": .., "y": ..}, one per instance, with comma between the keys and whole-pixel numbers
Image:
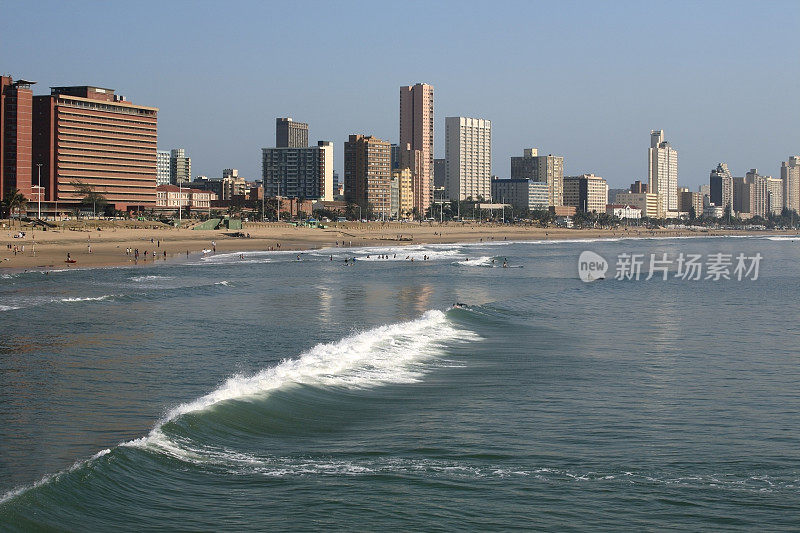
[{"x": 14, "y": 200}]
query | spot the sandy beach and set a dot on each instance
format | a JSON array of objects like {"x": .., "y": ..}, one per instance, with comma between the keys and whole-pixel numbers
[{"x": 104, "y": 243}]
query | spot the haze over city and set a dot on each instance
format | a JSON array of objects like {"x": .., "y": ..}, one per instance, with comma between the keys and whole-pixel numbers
[{"x": 581, "y": 80}]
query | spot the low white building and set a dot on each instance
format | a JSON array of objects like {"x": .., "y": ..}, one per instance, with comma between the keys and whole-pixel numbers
[
  {"x": 713, "y": 211},
  {"x": 172, "y": 197},
  {"x": 624, "y": 211}
]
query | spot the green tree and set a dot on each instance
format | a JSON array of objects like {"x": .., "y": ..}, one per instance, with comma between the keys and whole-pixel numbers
[
  {"x": 89, "y": 196},
  {"x": 14, "y": 201}
]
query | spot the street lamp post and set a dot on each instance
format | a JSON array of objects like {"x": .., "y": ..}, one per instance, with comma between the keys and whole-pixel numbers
[
  {"x": 39, "y": 190},
  {"x": 180, "y": 202}
]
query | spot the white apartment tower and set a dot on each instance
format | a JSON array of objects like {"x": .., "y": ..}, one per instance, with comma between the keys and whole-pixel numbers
[
  {"x": 662, "y": 172},
  {"x": 468, "y": 158},
  {"x": 162, "y": 167},
  {"x": 790, "y": 174}
]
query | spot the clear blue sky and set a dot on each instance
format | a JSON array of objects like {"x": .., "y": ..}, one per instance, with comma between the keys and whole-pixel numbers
[{"x": 586, "y": 80}]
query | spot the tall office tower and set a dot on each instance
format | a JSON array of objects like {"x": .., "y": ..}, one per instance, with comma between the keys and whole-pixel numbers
[
  {"x": 742, "y": 196},
  {"x": 416, "y": 130},
  {"x": 721, "y": 183},
  {"x": 545, "y": 168},
  {"x": 688, "y": 200},
  {"x": 367, "y": 175},
  {"x": 180, "y": 166},
  {"x": 16, "y": 140},
  {"x": 290, "y": 134},
  {"x": 790, "y": 174},
  {"x": 586, "y": 193},
  {"x": 162, "y": 167},
  {"x": 468, "y": 155},
  {"x": 300, "y": 172},
  {"x": 87, "y": 136},
  {"x": 775, "y": 195},
  {"x": 759, "y": 193},
  {"x": 439, "y": 172},
  {"x": 527, "y": 166},
  {"x": 662, "y": 171},
  {"x": 638, "y": 187}
]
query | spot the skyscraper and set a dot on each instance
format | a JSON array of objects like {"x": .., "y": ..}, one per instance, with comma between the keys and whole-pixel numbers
[
  {"x": 16, "y": 110},
  {"x": 662, "y": 172},
  {"x": 87, "y": 136},
  {"x": 468, "y": 155},
  {"x": 545, "y": 168},
  {"x": 162, "y": 167},
  {"x": 587, "y": 193},
  {"x": 416, "y": 131},
  {"x": 299, "y": 172},
  {"x": 439, "y": 172},
  {"x": 367, "y": 175},
  {"x": 775, "y": 192},
  {"x": 290, "y": 134},
  {"x": 758, "y": 193},
  {"x": 180, "y": 167},
  {"x": 721, "y": 183},
  {"x": 790, "y": 174}
]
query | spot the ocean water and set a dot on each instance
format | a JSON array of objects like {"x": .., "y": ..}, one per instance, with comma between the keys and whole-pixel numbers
[{"x": 271, "y": 393}]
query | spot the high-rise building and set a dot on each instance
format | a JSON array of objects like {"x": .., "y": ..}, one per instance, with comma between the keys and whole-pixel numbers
[
  {"x": 162, "y": 167},
  {"x": 790, "y": 174},
  {"x": 300, "y": 172},
  {"x": 416, "y": 131},
  {"x": 87, "y": 137},
  {"x": 468, "y": 155},
  {"x": 402, "y": 193},
  {"x": 439, "y": 172},
  {"x": 775, "y": 195},
  {"x": 16, "y": 138},
  {"x": 721, "y": 183},
  {"x": 290, "y": 134},
  {"x": 588, "y": 193},
  {"x": 688, "y": 200},
  {"x": 545, "y": 168},
  {"x": 638, "y": 187},
  {"x": 180, "y": 166},
  {"x": 524, "y": 194},
  {"x": 742, "y": 196},
  {"x": 662, "y": 172},
  {"x": 758, "y": 193},
  {"x": 232, "y": 184},
  {"x": 367, "y": 175}
]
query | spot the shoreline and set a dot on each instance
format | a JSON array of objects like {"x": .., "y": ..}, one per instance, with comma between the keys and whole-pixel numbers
[{"x": 109, "y": 240}]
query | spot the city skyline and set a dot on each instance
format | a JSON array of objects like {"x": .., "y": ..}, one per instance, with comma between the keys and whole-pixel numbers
[{"x": 593, "y": 115}]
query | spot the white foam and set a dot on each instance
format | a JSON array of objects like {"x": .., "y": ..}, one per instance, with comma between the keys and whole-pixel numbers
[
  {"x": 87, "y": 298},
  {"x": 484, "y": 261},
  {"x": 791, "y": 238},
  {"x": 8, "y": 307},
  {"x": 46, "y": 479},
  {"x": 150, "y": 278},
  {"x": 387, "y": 354}
]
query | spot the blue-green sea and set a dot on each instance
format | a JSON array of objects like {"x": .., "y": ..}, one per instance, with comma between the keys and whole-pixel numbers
[{"x": 262, "y": 392}]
